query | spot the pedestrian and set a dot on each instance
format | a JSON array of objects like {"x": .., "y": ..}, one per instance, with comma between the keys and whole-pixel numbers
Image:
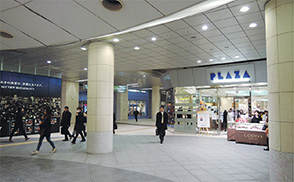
[
  {"x": 19, "y": 124},
  {"x": 65, "y": 123},
  {"x": 225, "y": 119},
  {"x": 265, "y": 128},
  {"x": 161, "y": 123},
  {"x": 114, "y": 123},
  {"x": 136, "y": 114},
  {"x": 45, "y": 131},
  {"x": 79, "y": 125}
]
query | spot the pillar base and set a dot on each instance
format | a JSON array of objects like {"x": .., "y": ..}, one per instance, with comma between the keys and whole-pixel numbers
[
  {"x": 281, "y": 166},
  {"x": 99, "y": 142}
]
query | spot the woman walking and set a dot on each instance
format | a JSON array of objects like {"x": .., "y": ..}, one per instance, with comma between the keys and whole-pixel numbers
[{"x": 45, "y": 131}]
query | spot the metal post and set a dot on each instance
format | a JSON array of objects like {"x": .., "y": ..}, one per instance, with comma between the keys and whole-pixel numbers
[{"x": 219, "y": 113}]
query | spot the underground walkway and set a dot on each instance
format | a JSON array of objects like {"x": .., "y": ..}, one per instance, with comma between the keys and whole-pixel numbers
[{"x": 137, "y": 156}]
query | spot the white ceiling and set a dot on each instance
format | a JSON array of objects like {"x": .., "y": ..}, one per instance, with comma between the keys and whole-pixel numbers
[{"x": 228, "y": 34}]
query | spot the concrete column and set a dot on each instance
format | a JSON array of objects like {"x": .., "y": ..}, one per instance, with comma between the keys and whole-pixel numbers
[
  {"x": 280, "y": 69},
  {"x": 70, "y": 97},
  {"x": 100, "y": 97},
  {"x": 155, "y": 101},
  {"x": 122, "y": 106}
]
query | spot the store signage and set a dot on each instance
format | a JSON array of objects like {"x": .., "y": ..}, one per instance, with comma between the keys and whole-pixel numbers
[
  {"x": 252, "y": 136},
  {"x": 120, "y": 88},
  {"x": 232, "y": 74}
]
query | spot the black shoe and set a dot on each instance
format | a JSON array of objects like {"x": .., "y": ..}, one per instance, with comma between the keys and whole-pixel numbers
[
  {"x": 73, "y": 142},
  {"x": 266, "y": 149},
  {"x": 65, "y": 140},
  {"x": 82, "y": 140}
]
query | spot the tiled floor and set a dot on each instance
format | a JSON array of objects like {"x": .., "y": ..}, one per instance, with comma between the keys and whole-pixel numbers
[{"x": 138, "y": 156}]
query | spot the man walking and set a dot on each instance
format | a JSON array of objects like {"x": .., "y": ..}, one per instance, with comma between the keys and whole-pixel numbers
[
  {"x": 136, "y": 114},
  {"x": 65, "y": 123},
  {"x": 161, "y": 123}
]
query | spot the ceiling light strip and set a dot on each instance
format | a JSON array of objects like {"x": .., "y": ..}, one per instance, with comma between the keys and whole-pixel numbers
[{"x": 198, "y": 8}]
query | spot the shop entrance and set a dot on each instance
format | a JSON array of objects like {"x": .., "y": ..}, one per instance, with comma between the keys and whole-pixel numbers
[{"x": 235, "y": 103}]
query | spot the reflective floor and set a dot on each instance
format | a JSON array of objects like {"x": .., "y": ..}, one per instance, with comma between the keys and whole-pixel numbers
[{"x": 137, "y": 156}]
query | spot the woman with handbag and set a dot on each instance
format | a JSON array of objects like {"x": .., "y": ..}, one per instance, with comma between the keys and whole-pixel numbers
[{"x": 45, "y": 131}]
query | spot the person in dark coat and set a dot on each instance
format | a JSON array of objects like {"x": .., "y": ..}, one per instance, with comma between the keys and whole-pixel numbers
[
  {"x": 19, "y": 124},
  {"x": 45, "y": 131},
  {"x": 79, "y": 126},
  {"x": 256, "y": 118},
  {"x": 136, "y": 115},
  {"x": 161, "y": 123},
  {"x": 114, "y": 123},
  {"x": 65, "y": 123},
  {"x": 225, "y": 119}
]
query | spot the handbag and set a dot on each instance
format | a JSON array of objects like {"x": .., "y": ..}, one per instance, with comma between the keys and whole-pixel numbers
[{"x": 156, "y": 132}]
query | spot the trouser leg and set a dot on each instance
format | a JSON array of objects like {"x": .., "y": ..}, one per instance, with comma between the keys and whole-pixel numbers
[
  {"x": 21, "y": 129},
  {"x": 81, "y": 133},
  {"x": 12, "y": 133},
  {"x": 40, "y": 142},
  {"x": 50, "y": 141}
]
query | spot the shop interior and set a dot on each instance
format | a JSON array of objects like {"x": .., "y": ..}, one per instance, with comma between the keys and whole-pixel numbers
[{"x": 239, "y": 101}]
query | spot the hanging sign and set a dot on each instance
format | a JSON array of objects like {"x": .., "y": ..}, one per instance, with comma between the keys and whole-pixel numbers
[{"x": 231, "y": 74}]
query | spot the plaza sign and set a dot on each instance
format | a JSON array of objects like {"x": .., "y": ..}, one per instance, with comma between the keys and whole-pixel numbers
[{"x": 231, "y": 74}]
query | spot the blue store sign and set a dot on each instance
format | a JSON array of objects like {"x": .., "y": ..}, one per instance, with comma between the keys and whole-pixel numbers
[{"x": 231, "y": 74}]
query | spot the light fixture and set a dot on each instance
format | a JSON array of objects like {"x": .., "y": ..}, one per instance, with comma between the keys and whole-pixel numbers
[
  {"x": 204, "y": 27},
  {"x": 115, "y": 40},
  {"x": 199, "y": 61},
  {"x": 85, "y": 69},
  {"x": 237, "y": 56},
  {"x": 144, "y": 76},
  {"x": 136, "y": 48},
  {"x": 49, "y": 62},
  {"x": 252, "y": 25},
  {"x": 244, "y": 9},
  {"x": 83, "y": 48},
  {"x": 223, "y": 58},
  {"x": 210, "y": 60},
  {"x": 153, "y": 38}
]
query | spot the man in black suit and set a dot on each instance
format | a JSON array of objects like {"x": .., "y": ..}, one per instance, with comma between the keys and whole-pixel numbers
[
  {"x": 161, "y": 123},
  {"x": 65, "y": 123}
]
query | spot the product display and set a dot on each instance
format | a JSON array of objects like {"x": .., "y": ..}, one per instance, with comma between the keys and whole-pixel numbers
[{"x": 251, "y": 133}]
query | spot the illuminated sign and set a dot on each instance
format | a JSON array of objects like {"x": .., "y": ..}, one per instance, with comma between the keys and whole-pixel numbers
[
  {"x": 232, "y": 74},
  {"x": 120, "y": 88}
]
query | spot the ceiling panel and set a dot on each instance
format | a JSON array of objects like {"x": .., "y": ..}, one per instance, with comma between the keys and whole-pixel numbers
[
  {"x": 48, "y": 33},
  {"x": 167, "y": 8},
  {"x": 135, "y": 12},
  {"x": 219, "y": 15},
  {"x": 229, "y": 22},
  {"x": 7, "y": 4},
  {"x": 72, "y": 17}
]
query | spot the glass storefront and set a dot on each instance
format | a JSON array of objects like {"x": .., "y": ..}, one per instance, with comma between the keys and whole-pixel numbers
[
  {"x": 139, "y": 105},
  {"x": 201, "y": 109}
]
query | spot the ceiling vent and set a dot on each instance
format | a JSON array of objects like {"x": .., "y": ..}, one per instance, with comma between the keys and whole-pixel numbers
[
  {"x": 5, "y": 35},
  {"x": 112, "y": 5}
]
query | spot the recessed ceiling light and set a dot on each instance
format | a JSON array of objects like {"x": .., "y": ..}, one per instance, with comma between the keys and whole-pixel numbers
[
  {"x": 85, "y": 69},
  {"x": 136, "y": 48},
  {"x": 186, "y": 31},
  {"x": 237, "y": 56},
  {"x": 244, "y": 9},
  {"x": 83, "y": 48},
  {"x": 210, "y": 60},
  {"x": 49, "y": 62},
  {"x": 199, "y": 61},
  {"x": 168, "y": 35},
  {"x": 204, "y": 27},
  {"x": 252, "y": 25},
  {"x": 223, "y": 58},
  {"x": 115, "y": 40},
  {"x": 144, "y": 76},
  {"x": 153, "y": 38}
]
